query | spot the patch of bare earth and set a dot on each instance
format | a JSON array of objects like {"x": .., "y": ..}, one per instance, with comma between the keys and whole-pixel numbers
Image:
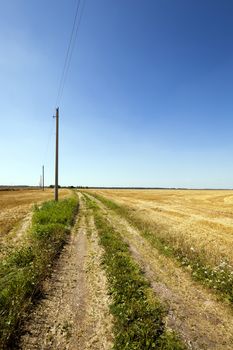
[
  {"x": 74, "y": 313},
  {"x": 10, "y": 217},
  {"x": 16, "y": 234},
  {"x": 16, "y": 212},
  {"x": 202, "y": 321}
]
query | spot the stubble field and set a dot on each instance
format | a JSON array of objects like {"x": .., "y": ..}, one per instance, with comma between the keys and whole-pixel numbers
[
  {"x": 182, "y": 240},
  {"x": 15, "y": 211},
  {"x": 196, "y": 220},
  {"x": 141, "y": 269}
]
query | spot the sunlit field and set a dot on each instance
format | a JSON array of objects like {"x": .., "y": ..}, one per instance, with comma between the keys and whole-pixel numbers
[
  {"x": 16, "y": 204},
  {"x": 182, "y": 240},
  {"x": 200, "y": 221}
]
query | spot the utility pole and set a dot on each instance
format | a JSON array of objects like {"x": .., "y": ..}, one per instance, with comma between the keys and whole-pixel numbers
[
  {"x": 43, "y": 177},
  {"x": 56, "y": 155}
]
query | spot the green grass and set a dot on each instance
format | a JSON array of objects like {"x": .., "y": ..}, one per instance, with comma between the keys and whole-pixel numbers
[
  {"x": 23, "y": 270},
  {"x": 139, "y": 318},
  {"x": 218, "y": 278}
]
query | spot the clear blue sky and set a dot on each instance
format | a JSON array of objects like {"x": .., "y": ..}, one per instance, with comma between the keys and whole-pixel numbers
[{"x": 148, "y": 99}]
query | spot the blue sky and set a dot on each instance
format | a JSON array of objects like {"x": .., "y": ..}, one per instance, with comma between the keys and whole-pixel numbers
[{"x": 148, "y": 98}]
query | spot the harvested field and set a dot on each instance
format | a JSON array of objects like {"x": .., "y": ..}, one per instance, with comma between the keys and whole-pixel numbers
[
  {"x": 196, "y": 313},
  {"x": 196, "y": 220},
  {"x": 15, "y": 207},
  {"x": 119, "y": 281}
]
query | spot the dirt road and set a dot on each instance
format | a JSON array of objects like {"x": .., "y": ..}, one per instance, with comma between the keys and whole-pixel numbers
[{"x": 74, "y": 313}]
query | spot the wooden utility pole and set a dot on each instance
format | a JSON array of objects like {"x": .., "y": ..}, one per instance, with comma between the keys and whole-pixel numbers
[
  {"x": 56, "y": 155},
  {"x": 43, "y": 177}
]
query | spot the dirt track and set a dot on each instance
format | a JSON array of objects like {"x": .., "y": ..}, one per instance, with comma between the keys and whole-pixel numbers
[
  {"x": 74, "y": 314},
  {"x": 75, "y": 311}
]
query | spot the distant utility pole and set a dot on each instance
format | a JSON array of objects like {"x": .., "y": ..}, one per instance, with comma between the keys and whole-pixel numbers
[
  {"x": 56, "y": 155},
  {"x": 43, "y": 177}
]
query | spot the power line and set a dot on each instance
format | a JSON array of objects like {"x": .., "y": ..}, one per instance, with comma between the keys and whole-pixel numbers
[
  {"x": 69, "y": 53},
  {"x": 70, "y": 48}
]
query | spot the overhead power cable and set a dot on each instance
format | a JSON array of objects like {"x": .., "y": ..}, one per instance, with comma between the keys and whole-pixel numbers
[{"x": 73, "y": 36}]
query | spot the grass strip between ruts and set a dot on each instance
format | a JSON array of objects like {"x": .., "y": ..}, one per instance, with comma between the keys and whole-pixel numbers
[
  {"x": 139, "y": 317},
  {"x": 218, "y": 278},
  {"x": 22, "y": 271}
]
